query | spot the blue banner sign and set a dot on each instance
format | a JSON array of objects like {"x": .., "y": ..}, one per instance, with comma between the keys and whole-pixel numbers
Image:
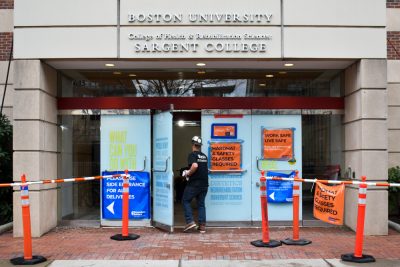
[
  {"x": 139, "y": 195},
  {"x": 280, "y": 191}
]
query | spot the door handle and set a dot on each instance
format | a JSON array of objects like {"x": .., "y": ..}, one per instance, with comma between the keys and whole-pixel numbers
[
  {"x": 166, "y": 167},
  {"x": 168, "y": 186},
  {"x": 257, "y": 161},
  {"x": 144, "y": 165}
]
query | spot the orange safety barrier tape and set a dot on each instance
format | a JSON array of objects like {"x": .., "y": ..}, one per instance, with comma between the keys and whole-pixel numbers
[
  {"x": 347, "y": 182},
  {"x": 48, "y": 181}
]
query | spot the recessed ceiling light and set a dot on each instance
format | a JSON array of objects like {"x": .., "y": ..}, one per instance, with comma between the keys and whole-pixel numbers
[
  {"x": 262, "y": 84},
  {"x": 282, "y": 72},
  {"x": 109, "y": 65},
  {"x": 201, "y": 72},
  {"x": 201, "y": 64},
  {"x": 117, "y": 72},
  {"x": 181, "y": 123},
  {"x": 269, "y": 75},
  {"x": 289, "y": 64},
  {"x": 132, "y": 75}
]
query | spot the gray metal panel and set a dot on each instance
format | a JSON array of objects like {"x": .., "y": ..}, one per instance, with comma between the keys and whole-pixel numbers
[{"x": 165, "y": 227}]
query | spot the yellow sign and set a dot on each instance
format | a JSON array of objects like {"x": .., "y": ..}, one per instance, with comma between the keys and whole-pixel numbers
[{"x": 121, "y": 155}]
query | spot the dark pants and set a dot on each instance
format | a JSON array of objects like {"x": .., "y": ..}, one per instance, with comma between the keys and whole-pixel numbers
[{"x": 200, "y": 194}]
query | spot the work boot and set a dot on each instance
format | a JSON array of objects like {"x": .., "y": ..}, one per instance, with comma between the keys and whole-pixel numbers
[
  {"x": 202, "y": 228},
  {"x": 189, "y": 226}
]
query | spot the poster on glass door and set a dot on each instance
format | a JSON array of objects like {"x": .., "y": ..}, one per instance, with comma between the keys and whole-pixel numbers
[
  {"x": 225, "y": 156},
  {"x": 279, "y": 191},
  {"x": 278, "y": 144},
  {"x": 139, "y": 195}
]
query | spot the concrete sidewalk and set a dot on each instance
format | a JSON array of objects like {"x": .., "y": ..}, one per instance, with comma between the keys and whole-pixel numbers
[{"x": 210, "y": 263}]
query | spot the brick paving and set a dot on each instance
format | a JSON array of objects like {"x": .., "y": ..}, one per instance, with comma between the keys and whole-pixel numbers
[{"x": 216, "y": 244}]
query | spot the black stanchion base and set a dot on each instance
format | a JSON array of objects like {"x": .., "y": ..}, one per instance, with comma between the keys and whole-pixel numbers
[
  {"x": 270, "y": 244},
  {"x": 292, "y": 242},
  {"x": 21, "y": 261},
  {"x": 120, "y": 237},
  {"x": 364, "y": 259}
]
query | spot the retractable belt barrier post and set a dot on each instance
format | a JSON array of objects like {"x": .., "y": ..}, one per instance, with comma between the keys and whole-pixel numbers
[
  {"x": 265, "y": 242},
  {"x": 125, "y": 213},
  {"x": 362, "y": 202},
  {"x": 296, "y": 206},
  {"x": 27, "y": 259}
]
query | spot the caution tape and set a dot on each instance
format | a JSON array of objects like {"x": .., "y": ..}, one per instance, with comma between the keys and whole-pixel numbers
[
  {"x": 347, "y": 182},
  {"x": 67, "y": 180},
  {"x": 80, "y": 179}
]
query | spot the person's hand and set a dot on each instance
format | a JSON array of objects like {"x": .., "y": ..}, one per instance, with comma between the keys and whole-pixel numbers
[{"x": 185, "y": 174}]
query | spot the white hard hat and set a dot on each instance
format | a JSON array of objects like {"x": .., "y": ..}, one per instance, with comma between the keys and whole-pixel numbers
[{"x": 196, "y": 140}]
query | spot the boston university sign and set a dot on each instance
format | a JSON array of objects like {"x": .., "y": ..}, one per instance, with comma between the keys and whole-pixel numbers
[
  {"x": 201, "y": 18},
  {"x": 197, "y": 30},
  {"x": 197, "y": 37}
]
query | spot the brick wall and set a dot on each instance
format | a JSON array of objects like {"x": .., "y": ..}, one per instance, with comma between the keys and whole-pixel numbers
[
  {"x": 393, "y": 45},
  {"x": 393, "y": 3},
  {"x": 6, "y": 4},
  {"x": 5, "y": 45}
]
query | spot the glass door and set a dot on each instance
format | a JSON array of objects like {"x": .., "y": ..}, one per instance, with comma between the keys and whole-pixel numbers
[
  {"x": 276, "y": 146},
  {"x": 227, "y": 142},
  {"x": 163, "y": 199},
  {"x": 125, "y": 145}
]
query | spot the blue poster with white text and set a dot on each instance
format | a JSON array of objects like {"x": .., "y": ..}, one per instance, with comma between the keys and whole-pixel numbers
[
  {"x": 280, "y": 191},
  {"x": 139, "y": 195}
]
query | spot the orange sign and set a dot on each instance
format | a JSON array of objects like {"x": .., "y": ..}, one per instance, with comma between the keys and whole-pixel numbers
[
  {"x": 278, "y": 144},
  {"x": 225, "y": 156},
  {"x": 223, "y": 130},
  {"x": 329, "y": 203}
]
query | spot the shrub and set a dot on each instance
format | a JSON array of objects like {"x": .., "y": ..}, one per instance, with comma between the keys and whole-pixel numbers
[
  {"x": 5, "y": 169},
  {"x": 394, "y": 192}
]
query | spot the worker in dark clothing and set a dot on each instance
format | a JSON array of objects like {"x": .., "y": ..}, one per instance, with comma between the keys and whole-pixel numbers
[{"x": 197, "y": 186}]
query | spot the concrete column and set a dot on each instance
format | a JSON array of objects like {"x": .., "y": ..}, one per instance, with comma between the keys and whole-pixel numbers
[
  {"x": 366, "y": 135},
  {"x": 35, "y": 142}
]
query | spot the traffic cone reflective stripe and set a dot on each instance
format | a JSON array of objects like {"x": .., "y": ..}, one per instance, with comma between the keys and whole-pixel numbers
[{"x": 296, "y": 189}]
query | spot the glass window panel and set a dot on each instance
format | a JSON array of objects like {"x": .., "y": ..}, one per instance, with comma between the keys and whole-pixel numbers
[
  {"x": 211, "y": 83},
  {"x": 80, "y": 157}
]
